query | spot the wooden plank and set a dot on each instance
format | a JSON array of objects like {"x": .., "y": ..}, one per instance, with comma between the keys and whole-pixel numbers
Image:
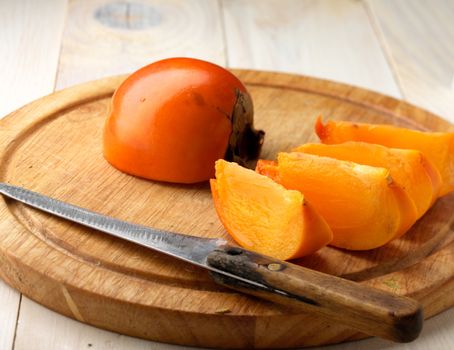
[
  {"x": 105, "y": 38},
  {"x": 29, "y": 50},
  {"x": 54, "y": 331},
  {"x": 418, "y": 37},
  {"x": 30, "y": 44},
  {"x": 9, "y": 306},
  {"x": 327, "y": 39}
]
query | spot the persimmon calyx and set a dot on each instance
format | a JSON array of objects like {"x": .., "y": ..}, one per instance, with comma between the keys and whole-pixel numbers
[{"x": 245, "y": 141}]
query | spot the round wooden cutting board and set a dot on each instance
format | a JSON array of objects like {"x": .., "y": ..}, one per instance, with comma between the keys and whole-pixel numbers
[{"x": 53, "y": 146}]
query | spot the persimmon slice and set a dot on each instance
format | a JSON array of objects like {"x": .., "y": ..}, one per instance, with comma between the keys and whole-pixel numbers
[
  {"x": 409, "y": 168},
  {"x": 438, "y": 147},
  {"x": 268, "y": 168},
  {"x": 263, "y": 216},
  {"x": 363, "y": 206}
]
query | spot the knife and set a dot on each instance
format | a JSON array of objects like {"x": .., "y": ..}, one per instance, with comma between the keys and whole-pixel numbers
[{"x": 335, "y": 299}]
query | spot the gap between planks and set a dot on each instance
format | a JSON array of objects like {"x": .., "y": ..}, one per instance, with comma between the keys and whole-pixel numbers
[
  {"x": 31, "y": 38},
  {"x": 385, "y": 47}
]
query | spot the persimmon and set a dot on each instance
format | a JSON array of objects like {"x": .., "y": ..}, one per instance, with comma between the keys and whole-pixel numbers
[
  {"x": 361, "y": 204},
  {"x": 171, "y": 120},
  {"x": 268, "y": 168},
  {"x": 263, "y": 216},
  {"x": 409, "y": 168},
  {"x": 438, "y": 147}
]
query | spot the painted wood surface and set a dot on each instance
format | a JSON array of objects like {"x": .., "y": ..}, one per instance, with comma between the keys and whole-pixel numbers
[
  {"x": 30, "y": 43},
  {"x": 322, "y": 62},
  {"x": 417, "y": 38},
  {"x": 327, "y": 39},
  {"x": 104, "y": 38}
]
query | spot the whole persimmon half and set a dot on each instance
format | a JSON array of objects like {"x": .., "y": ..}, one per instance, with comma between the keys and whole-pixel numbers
[{"x": 171, "y": 120}]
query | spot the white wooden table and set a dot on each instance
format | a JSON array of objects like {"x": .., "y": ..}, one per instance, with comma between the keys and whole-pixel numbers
[{"x": 403, "y": 48}]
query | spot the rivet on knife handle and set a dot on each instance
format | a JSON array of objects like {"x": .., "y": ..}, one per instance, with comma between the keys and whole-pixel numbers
[{"x": 357, "y": 306}]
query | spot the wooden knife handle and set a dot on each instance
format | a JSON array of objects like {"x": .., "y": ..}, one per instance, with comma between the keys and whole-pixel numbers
[{"x": 357, "y": 306}]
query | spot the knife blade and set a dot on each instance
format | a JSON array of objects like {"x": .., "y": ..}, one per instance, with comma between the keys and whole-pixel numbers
[{"x": 368, "y": 310}]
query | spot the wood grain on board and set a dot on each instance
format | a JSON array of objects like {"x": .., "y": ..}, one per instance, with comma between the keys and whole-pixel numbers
[
  {"x": 54, "y": 331},
  {"x": 263, "y": 21},
  {"x": 30, "y": 44},
  {"x": 116, "y": 285},
  {"x": 107, "y": 38}
]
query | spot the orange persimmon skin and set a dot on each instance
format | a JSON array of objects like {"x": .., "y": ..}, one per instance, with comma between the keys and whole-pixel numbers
[
  {"x": 361, "y": 204},
  {"x": 408, "y": 168},
  {"x": 437, "y": 147},
  {"x": 263, "y": 216},
  {"x": 170, "y": 120}
]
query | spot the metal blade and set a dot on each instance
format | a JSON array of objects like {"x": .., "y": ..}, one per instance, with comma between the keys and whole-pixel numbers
[
  {"x": 188, "y": 248},
  {"x": 194, "y": 250}
]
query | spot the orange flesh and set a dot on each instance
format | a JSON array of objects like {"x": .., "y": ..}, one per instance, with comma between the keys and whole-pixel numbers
[
  {"x": 437, "y": 147},
  {"x": 263, "y": 216},
  {"x": 268, "y": 168},
  {"x": 409, "y": 169},
  {"x": 360, "y": 203}
]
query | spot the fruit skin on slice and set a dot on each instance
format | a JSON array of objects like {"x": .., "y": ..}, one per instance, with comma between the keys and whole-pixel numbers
[
  {"x": 263, "y": 216},
  {"x": 438, "y": 147},
  {"x": 410, "y": 169},
  {"x": 363, "y": 206}
]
